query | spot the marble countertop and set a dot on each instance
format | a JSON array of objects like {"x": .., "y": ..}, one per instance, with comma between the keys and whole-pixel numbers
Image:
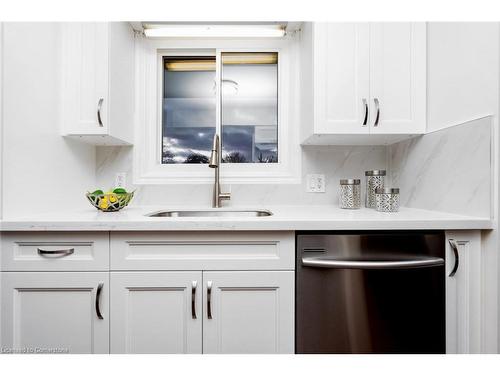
[{"x": 283, "y": 218}]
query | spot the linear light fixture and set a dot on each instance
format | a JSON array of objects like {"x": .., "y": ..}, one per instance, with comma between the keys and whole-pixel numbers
[
  {"x": 235, "y": 58},
  {"x": 228, "y": 58},
  {"x": 214, "y": 31},
  {"x": 190, "y": 65}
]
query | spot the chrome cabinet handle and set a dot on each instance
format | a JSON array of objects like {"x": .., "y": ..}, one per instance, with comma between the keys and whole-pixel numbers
[
  {"x": 98, "y": 301},
  {"x": 193, "y": 299},
  {"x": 365, "y": 121},
  {"x": 454, "y": 247},
  {"x": 418, "y": 262},
  {"x": 61, "y": 252},
  {"x": 377, "y": 117},
  {"x": 209, "y": 300},
  {"x": 99, "y": 107}
]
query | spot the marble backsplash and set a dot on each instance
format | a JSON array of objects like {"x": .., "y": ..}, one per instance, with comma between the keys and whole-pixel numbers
[
  {"x": 447, "y": 170},
  {"x": 335, "y": 162}
]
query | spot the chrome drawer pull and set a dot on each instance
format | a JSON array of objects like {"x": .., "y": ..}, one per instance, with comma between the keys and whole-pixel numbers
[
  {"x": 377, "y": 105},
  {"x": 99, "y": 107},
  {"x": 193, "y": 299},
  {"x": 209, "y": 300},
  {"x": 61, "y": 252},
  {"x": 365, "y": 121},
  {"x": 454, "y": 247},
  {"x": 98, "y": 301}
]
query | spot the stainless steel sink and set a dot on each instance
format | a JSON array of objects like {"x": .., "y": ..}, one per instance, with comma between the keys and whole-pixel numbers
[{"x": 210, "y": 213}]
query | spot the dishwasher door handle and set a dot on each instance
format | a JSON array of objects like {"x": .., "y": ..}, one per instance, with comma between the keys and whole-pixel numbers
[{"x": 324, "y": 262}]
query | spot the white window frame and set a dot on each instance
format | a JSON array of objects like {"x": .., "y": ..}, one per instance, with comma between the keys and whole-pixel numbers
[{"x": 148, "y": 168}]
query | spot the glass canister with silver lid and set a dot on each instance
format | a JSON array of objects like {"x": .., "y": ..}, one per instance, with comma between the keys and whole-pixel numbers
[
  {"x": 350, "y": 193},
  {"x": 387, "y": 200},
  {"x": 375, "y": 179}
]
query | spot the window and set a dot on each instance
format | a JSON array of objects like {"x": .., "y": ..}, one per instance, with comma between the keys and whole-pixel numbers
[
  {"x": 249, "y": 107},
  {"x": 189, "y": 107},
  {"x": 245, "y": 90},
  {"x": 248, "y": 98}
]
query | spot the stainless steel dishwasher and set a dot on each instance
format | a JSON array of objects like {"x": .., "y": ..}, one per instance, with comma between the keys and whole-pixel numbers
[{"x": 370, "y": 292}]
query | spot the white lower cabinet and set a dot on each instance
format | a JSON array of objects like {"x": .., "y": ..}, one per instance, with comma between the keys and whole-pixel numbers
[
  {"x": 55, "y": 312},
  {"x": 202, "y": 292},
  {"x": 156, "y": 312},
  {"x": 463, "y": 292},
  {"x": 142, "y": 301},
  {"x": 225, "y": 311},
  {"x": 248, "y": 312},
  {"x": 148, "y": 292}
]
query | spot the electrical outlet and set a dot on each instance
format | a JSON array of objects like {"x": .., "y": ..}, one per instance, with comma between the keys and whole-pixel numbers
[
  {"x": 315, "y": 183},
  {"x": 121, "y": 179}
]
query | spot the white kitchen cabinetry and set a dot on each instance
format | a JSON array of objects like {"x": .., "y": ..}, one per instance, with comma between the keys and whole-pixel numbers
[
  {"x": 463, "y": 292},
  {"x": 194, "y": 251},
  {"x": 248, "y": 312},
  {"x": 244, "y": 295},
  {"x": 366, "y": 82},
  {"x": 241, "y": 311},
  {"x": 98, "y": 82},
  {"x": 60, "y": 251},
  {"x": 55, "y": 312},
  {"x": 341, "y": 78},
  {"x": 156, "y": 312}
]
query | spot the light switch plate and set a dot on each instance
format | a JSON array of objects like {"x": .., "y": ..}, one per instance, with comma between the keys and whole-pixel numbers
[{"x": 315, "y": 183}]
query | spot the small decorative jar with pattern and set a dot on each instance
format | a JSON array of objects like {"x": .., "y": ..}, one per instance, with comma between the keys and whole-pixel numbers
[
  {"x": 350, "y": 193},
  {"x": 387, "y": 200},
  {"x": 374, "y": 180}
]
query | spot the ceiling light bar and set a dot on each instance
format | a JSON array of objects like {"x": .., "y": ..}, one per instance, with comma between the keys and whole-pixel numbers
[
  {"x": 228, "y": 58},
  {"x": 235, "y": 58},
  {"x": 190, "y": 65},
  {"x": 214, "y": 31}
]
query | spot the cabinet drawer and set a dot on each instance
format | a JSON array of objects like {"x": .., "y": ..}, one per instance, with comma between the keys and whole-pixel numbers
[
  {"x": 42, "y": 251},
  {"x": 202, "y": 251}
]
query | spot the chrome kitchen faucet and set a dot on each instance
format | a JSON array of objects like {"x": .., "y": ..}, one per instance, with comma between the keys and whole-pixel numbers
[{"x": 214, "y": 162}]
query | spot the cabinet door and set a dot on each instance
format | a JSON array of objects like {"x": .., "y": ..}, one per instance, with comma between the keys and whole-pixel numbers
[
  {"x": 397, "y": 77},
  {"x": 341, "y": 78},
  {"x": 463, "y": 292},
  {"x": 156, "y": 312},
  {"x": 85, "y": 78},
  {"x": 55, "y": 312},
  {"x": 248, "y": 312}
]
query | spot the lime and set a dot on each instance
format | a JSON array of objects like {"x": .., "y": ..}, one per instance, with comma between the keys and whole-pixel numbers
[
  {"x": 98, "y": 192},
  {"x": 120, "y": 191}
]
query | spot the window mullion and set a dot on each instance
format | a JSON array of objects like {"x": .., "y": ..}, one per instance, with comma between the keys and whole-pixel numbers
[{"x": 218, "y": 93}]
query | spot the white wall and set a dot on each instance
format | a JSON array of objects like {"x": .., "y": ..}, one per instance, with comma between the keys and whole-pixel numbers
[
  {"x": 42, "y": 171},
  {"x": 463, "y": 85},
  {"x": 462, "y": 72}
]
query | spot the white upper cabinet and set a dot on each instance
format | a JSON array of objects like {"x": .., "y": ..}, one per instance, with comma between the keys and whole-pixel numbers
[
  {"x": 363, "y": 83},
  {"x": 341, "y": 77},
  {"x": 397, "y": 78},
  {"x": 98, "y": 82}
]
